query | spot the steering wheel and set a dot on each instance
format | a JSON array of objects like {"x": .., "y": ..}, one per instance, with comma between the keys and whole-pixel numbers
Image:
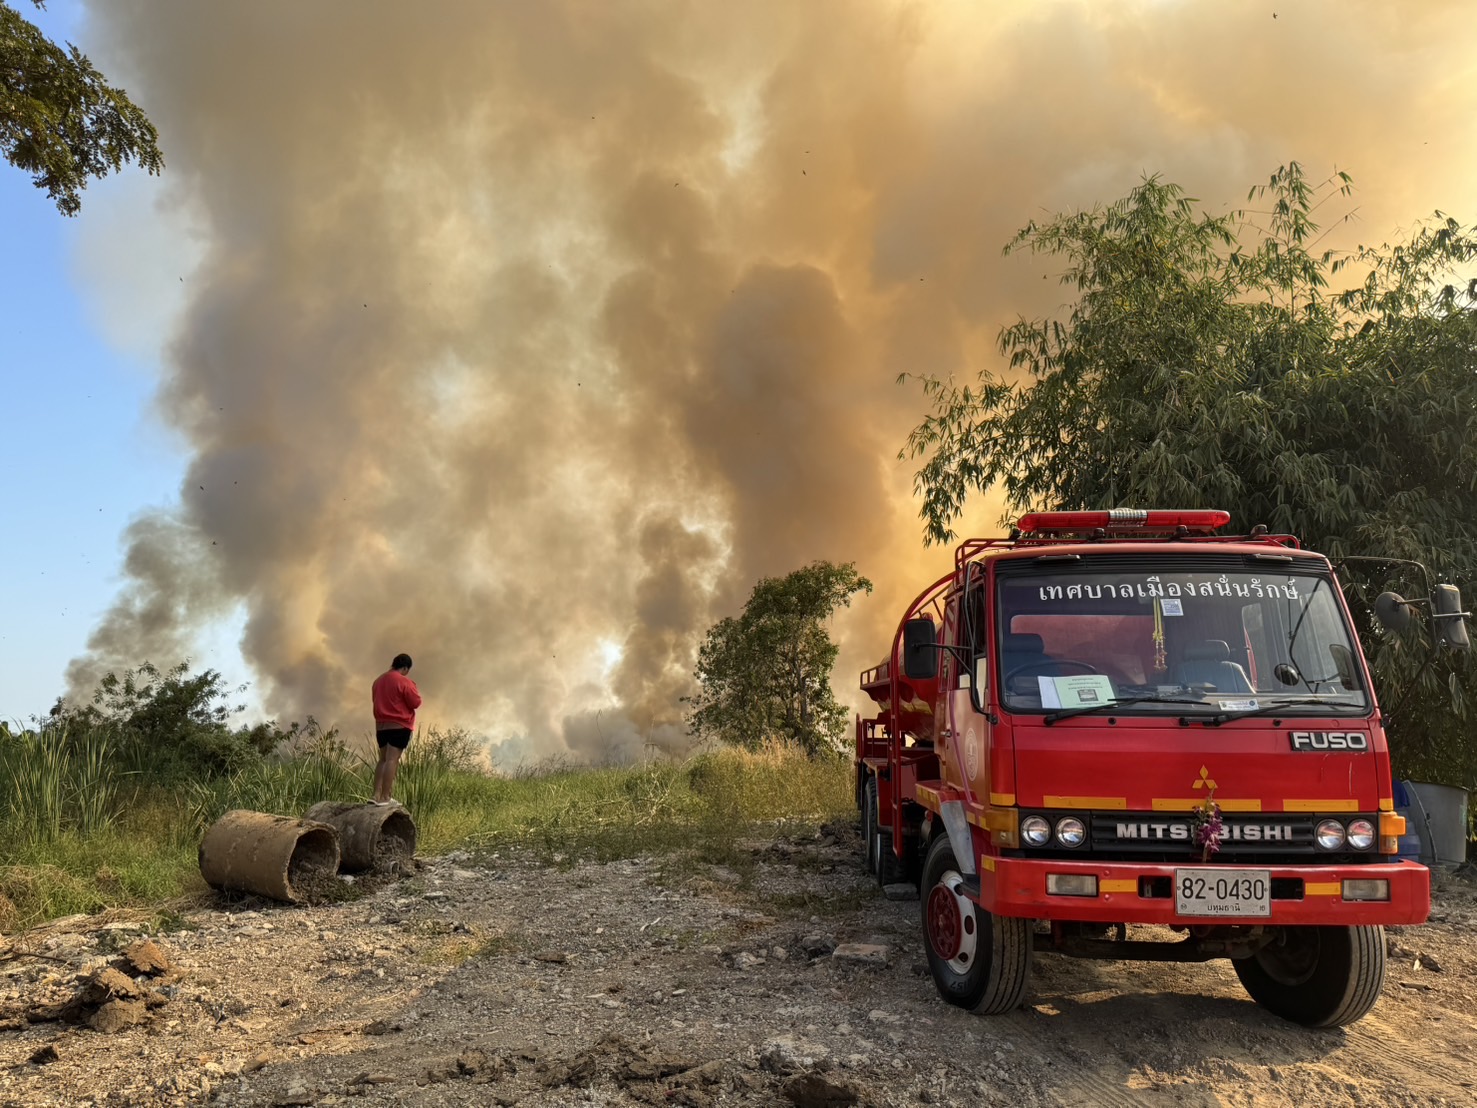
[{"x": 1037, "y": 667}]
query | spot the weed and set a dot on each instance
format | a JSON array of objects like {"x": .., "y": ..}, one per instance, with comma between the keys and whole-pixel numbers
[
  {"x": 824, "y": 904},
  {"x": 463, "y": 949},
  {"x": 168, "y": 921}
]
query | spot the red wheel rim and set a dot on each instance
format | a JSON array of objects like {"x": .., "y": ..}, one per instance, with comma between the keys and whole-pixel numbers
[{"x": 945, "y": 928}]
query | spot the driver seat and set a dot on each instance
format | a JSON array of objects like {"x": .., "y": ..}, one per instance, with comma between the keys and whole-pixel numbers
[
  {"x": 1024, "y": 655},
  {"x": 1209, "y": 663}
]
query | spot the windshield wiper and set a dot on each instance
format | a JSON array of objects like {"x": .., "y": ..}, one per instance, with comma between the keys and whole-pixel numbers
[
  {"x": 1068, "y": 713},
  {"x": 1272, "y": 709}
]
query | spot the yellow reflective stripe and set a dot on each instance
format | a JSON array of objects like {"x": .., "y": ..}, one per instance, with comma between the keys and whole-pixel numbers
[
  {"x": 987, "y": 863},
  {"x": 1119, "y": 885},
  {"x": 1186, "y": 804},
  {"x": 1115, "y": 802},
  {"x": 1323, "y": 888},
  {"x": 1386, "y": 804},
  {"x": 1003, "y": 800},
  {"x": 1320, "y": 805}
]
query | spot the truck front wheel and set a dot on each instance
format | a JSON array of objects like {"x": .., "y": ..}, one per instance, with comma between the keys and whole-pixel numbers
[
  {"x": 978, "y": 960},
  {"x": 1317, "y": 976}
]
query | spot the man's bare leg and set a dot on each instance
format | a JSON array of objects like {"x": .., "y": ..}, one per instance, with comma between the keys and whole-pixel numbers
[{"x": 384, "y": 773}]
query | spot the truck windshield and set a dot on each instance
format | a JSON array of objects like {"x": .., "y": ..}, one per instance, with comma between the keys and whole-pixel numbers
[{"x": 1222, "y": 635}]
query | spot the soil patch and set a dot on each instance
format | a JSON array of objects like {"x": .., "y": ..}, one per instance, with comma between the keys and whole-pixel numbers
[{"x": 498, "y": 980}]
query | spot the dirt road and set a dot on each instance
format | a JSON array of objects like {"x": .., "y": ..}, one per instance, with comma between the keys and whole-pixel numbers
[{"x": 651, "y": 981}]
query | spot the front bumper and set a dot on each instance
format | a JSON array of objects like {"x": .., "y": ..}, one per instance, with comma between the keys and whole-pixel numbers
[{"x": 1131, "y": 892}]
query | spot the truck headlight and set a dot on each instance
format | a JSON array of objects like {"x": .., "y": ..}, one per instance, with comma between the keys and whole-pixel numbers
[
  {"x": 1070, "y": 832},
  {"x": 1035, "y": 831},
  {"x": 1330, "y": 834},
  {"x": 1361, "y": 834}
]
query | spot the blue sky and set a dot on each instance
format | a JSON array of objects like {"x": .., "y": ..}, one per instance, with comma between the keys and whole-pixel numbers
[{"x": 82, "y": 451}]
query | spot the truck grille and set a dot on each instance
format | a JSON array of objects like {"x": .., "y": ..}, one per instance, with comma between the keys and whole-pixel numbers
[{"x": 1172, "y": 834}]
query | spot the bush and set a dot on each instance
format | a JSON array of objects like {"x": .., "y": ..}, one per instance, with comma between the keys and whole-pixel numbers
[{"x": 172, "y": 725}]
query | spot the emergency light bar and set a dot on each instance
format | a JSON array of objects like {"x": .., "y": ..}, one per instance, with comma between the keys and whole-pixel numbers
[{"x": 1124, "y": 519}]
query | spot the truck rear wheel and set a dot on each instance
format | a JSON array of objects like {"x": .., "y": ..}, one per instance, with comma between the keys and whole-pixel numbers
[
  {"x": 979, "y": 960},
  {"x": 869, "y": 824},
  {"x": 1317, "y": 976},
  {"x": 880, "y": 859}
]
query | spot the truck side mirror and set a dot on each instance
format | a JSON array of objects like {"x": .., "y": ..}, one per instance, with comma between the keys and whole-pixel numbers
[
  {"x": 920, "y": 649},
  {"x": 1449, "y": 619},
  {"x": 1392, "y": 610}
]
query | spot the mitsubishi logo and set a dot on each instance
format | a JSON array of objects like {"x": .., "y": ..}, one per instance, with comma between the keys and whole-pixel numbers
[{"x": 1205, "y": 781}]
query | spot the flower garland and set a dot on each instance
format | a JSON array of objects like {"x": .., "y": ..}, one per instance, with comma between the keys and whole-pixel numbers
[{"x": 1208, "y": 827}]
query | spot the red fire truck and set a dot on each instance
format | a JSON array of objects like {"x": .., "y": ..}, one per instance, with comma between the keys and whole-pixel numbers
[{"x": 1124, "y": 718}]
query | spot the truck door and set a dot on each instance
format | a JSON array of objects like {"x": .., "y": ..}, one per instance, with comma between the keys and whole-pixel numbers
[{"x": 969, "y": 728}]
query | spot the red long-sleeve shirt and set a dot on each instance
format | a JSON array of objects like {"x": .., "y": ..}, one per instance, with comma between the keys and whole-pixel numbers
[{"x": 395, "y": 700}]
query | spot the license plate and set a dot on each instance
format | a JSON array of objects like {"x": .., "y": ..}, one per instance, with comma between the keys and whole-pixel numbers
[{"x": 1223, "y": 892}]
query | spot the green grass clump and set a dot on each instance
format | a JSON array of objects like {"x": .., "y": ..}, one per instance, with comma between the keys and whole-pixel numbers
[{"x": 57, "y": 778}]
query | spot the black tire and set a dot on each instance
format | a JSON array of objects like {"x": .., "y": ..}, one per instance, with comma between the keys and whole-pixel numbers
[
  {"x": 869, "y": 824},
  {"x": 1317, "y": 976},
  {"x": 881, "y": 861},
  {"x": 979, "y": 961},
  {"x": 890, "y": 868}
]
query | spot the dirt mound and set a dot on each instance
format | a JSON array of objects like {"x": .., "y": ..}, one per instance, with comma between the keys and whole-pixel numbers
[{"x": 106, "y": 999}]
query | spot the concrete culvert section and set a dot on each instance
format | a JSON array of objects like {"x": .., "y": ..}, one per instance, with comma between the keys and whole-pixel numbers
[
  {"x": 273, "y": 856},
  {"x": 370, "y": 837}
]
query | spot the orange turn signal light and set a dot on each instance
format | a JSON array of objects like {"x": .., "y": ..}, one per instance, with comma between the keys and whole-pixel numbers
[{"x": 1004, "y": 826}]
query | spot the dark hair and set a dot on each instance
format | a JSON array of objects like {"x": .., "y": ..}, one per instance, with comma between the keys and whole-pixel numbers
[{"x": 402, "y": 661}]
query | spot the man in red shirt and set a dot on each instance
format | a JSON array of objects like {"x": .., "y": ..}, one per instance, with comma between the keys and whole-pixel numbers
[{"x": 395, "y": 700}]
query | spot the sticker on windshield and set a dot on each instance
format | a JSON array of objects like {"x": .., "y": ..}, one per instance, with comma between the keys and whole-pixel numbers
[
  {"x": 1239, "y": 705},
  {"x": 1171, "y": 607},
  {"x": 1084, "y": 691}
]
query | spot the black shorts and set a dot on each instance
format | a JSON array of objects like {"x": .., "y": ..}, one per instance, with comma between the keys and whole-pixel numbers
[{"x": 398, "y": 737}]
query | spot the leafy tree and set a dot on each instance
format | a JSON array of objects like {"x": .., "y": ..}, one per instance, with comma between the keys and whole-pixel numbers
[
  {"x": 1207, "y": 362},
  {"x": 767, "y": 674},
  {"x": 60, "y": 120}
]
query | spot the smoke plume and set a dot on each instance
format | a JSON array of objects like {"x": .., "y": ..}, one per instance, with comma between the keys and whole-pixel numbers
[{"x": 528, "y": 336}]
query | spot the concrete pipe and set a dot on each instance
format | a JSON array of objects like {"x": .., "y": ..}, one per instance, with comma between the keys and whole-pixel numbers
[
  {"x": 370, "y": 837},
  {"x": 285, "y": 859}
]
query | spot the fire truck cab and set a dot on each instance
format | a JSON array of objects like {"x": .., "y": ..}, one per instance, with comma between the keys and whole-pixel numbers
[{"x": 1126, "y": 719}]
